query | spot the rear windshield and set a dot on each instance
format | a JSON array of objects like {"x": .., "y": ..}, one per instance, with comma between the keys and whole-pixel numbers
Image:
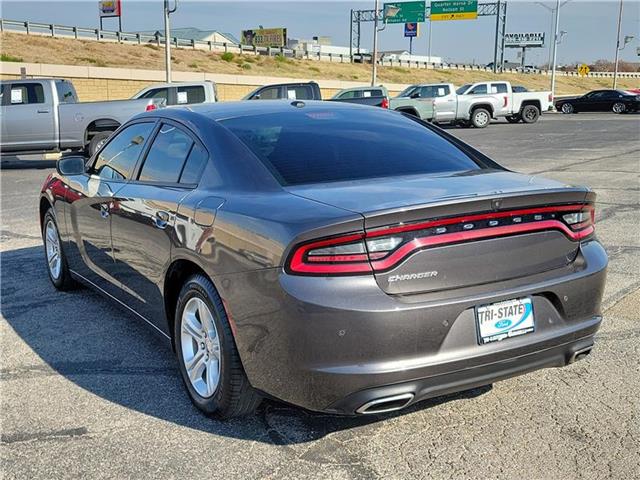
[{"x": 317, "y": 145}]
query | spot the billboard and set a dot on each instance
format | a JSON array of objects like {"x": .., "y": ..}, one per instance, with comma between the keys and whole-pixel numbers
[
  {"x": 454, "y": 10},
  {"x": 109, "y": 8},
  {"x": 520, "y": 40},
  {"x": 264, "y": 37},
  {"x": 412, "y": 29}
]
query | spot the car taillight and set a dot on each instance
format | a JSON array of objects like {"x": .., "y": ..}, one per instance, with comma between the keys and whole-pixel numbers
[
  {"x": 151, "y": 107},
  {"x": 550, "y": 97},
  {"x": 383, "y": 248},
  {"x": 385, "y": 103}
]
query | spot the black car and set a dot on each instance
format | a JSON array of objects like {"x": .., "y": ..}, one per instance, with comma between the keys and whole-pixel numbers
[
  {"x": 616, "y": 101},
  {"x": 343, "y": 258}
]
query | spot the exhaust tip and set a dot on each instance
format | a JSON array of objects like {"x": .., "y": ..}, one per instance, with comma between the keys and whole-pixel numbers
[
  {"x": 386, "y": 404},
  {"x": 580, "y": 354}
]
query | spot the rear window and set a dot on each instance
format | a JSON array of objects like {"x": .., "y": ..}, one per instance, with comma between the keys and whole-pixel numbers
[{"x": 317, "y": 146}]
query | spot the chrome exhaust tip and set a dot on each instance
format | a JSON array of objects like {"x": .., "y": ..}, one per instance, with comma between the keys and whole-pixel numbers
[
  {"x": 386, "y": 404},
  {"x": 580, "y": 354}
]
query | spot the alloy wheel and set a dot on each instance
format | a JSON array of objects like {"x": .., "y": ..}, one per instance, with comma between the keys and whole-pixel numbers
[
  {"x": 618, "y": 107},
  {"x": 567, "y": 108},
  {"x": 52, "y": 245},
  {"x": 200, "y": 347}
]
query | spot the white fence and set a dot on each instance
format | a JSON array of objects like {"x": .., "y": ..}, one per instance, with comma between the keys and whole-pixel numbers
[{"x": 96, "y": 34}]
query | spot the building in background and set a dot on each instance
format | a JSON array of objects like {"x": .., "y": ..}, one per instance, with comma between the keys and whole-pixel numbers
[{"x": 191, "y": 33}]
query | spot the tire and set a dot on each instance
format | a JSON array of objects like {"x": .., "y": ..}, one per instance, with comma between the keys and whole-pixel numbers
[
  {"x": 530, "y": 114},
  {"x": 618, "y": 107},
  {"x": 513, "y": 118},
  {"x": 211, "y": 353},
  {"x": 480, "y": 117},
  {"x": 97, "y": 141},
  {"x": 57, "y": 266},
  {"x": 567, "y": 108}
]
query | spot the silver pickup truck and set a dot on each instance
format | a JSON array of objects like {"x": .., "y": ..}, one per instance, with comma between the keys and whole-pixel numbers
[{"x": 44, "y": 115}]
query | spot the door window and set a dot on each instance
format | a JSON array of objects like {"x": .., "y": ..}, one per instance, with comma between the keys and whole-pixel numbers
[
  {"x": 26, "y": 94},
  {"x": 498, "y": 88},
  {"x": 193, "y": 94},
  {"x": 166, "y": 156},
  {"x": 159, "y": 93},
  {"x": 195, "y": 164},
  {"x": 478, "y": 90},
  {"x": 434, "y": 91},
  {"x": 66, "y": 93},
  {"x": 302, "y": 92},
  {"x": 372, "y": 93},
  {"x": 269, "y": 93},
  {"x": 348, "y": 95},
  {"x": 117, "y": 160}
]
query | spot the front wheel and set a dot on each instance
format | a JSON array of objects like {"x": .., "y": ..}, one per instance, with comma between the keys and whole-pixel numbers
[
  {"x": 480, "y": 118},
  {"x": 207, "y": 355},
  {"x": 57, "y": 266},
  {"x": 530, "y": 114},
  {"x": 567, "y": 108},
  {"x": 618, "y": 107}
]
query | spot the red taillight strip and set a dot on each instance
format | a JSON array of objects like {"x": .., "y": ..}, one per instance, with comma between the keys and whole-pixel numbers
[
  {"x": 470, "y": 218},
  {"x": 420, "y": 243},
  {"x": 298, "y": 263}
]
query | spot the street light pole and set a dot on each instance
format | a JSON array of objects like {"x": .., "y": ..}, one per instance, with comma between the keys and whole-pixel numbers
[
  {"x": 167, "y": 37},
  {"x": 374, "y": 59},
  {"x": 555, "y": 50},
  {"x": 615, "y": 72}
]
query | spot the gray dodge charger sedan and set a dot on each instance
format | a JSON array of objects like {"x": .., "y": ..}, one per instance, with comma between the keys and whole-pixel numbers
[{"x": 342, "y": 258}]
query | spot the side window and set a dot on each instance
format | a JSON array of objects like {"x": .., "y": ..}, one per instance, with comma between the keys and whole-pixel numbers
[
  {"x": 26, "y": 94},
  {"x": 348, "y": 95},
  {"x": 166, "y": 156},
  {"x": 269, "y": 93},
  {"x": 302, "y": 92},
  {"x": 498, "y": 88},
  {"x": 66, "y": 94},
  {"x": 196, "y": 161},
  {"x": 372, "y": 93},
  {"x": 194, "y": 94},
  {"x": 160, "y": 93},
  {"x": 118, "y": 158},
  {"x": 478, "y": 90}
]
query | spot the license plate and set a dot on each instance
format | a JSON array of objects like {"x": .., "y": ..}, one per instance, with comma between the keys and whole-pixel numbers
[{"x": 510, "y": 318}]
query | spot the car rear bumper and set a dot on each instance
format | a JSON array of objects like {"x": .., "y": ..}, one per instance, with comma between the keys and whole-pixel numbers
[{"x": 335, "y": 344}]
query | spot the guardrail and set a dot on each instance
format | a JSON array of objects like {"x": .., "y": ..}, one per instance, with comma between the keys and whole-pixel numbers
[{"x": 99, "y": 35}]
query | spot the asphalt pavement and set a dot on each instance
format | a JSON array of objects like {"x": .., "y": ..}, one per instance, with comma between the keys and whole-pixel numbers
[{"x": 89, "y": 391}]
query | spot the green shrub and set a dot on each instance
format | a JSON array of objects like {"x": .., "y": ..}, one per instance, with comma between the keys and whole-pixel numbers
[
  {"x": 281, "y": 58},
  {"x": 246, "y": 66},
  {"x": 227, "y": 56},
  {"x": 5, "y": 57}
]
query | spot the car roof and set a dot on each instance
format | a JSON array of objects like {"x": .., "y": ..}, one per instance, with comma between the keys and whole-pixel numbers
[{"x": 225, "y": 110}]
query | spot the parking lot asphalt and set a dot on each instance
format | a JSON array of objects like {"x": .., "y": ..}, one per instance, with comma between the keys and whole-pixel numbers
[{"x": 88, "y": 391}]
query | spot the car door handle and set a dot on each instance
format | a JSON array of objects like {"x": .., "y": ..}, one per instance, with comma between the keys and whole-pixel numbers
[
  {"x": 104, "y": 210},
  {"x": 161, "y": 219},
  {"x": 43, "y": 111}
]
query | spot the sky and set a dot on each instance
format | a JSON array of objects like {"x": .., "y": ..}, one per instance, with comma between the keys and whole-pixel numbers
[{"x": 590, "y": 25}]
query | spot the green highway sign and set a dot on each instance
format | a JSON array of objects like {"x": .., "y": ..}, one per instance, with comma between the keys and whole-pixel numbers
[
  {"x": 454, "y": 10},
  {"x": 404, "y": 12}
]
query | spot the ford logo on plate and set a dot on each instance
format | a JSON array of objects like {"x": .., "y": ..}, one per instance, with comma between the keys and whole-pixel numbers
[{"x": 503, "y": 323}]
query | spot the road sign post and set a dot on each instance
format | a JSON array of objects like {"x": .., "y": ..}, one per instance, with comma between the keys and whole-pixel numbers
[{"x": 411, "y": 30}]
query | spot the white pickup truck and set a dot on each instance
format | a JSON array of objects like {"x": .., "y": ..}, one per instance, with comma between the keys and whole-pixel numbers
[{"x": 475, "y": 104}]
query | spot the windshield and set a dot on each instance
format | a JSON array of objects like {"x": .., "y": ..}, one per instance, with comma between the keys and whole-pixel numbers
[
  {"x": 463, "y": 89},
  {"x": 319, "y": 145},
  {"x": 407, "y": 91}
]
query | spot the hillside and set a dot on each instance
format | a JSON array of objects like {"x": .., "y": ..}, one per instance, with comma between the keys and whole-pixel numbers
[{"x": 40, "y": 49}]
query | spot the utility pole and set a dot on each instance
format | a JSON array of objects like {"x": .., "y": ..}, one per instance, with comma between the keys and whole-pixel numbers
[
  {"x": 430, "y": 30},
  {"x": 374, "y": 59},
  {"x": 167, "y": 37},
  {"x": 555, "y": 50},
  {"x": 615, "y": 72}
]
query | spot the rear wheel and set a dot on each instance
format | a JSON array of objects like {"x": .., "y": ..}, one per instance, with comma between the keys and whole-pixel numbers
[
  {"x": 618, "y": 107},
  {"x": 513, "y": 118},
  {"x": 480, "y": 118},
  {"x": 56, "y": 261},
  {"x": 567, "y": 108},
  {"x": 207, "y": 355},
  {"x": 530, "y": 114}
]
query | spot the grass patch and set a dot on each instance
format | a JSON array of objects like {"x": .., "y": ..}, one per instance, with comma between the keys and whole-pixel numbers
[
  {"x": 5, "y": 57},
  {"x": 227, "y": 56},
  {"x": 281, "y": 59},
  {"x": 193, "y": 65},
  {"x": 314, "y": 69},
  {"x": 246, "y": 66},
  {"x": 152, "y": 47},
  {"x": 93, "y": 61}
]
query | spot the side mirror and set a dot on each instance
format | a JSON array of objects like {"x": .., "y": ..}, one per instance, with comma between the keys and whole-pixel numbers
[
  {"x": 256, "y": 97},
  {"x": 71, "y": 165},
  {"x": 415, "y": 95}
]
